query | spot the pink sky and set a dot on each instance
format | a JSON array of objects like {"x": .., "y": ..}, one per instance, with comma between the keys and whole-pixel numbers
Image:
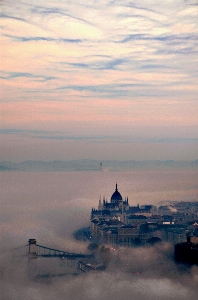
[{"x": 124, "y": 70}]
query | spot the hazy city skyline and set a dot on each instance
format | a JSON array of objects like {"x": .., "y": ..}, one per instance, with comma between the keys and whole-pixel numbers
[
  {"x": 46, "y": 206},
  {"x": 107, "y": 80}
]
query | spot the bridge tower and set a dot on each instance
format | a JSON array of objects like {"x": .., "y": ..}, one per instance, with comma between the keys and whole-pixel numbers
[{"x": 32, "y": 248}]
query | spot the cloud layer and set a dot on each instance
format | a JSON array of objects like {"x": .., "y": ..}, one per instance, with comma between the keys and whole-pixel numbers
[{"x": 103, "y": 66}]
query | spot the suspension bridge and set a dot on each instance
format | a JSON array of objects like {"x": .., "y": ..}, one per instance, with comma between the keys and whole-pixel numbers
[
  {"x": 44, "y": 262},
  {"x": 35, "y": 250}
]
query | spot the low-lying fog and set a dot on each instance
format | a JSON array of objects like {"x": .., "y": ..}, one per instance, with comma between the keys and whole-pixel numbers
[{"x": 51, "y": 206}]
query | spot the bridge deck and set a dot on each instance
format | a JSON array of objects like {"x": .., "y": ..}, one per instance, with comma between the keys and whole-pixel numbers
[{"x": 51, "y": 252}]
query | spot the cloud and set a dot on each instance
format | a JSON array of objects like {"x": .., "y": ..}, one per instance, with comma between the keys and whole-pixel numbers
[
  {"x": 5, "y": 16},
  {"x": 11, "y": 75},
  {"x": 46, "y": 11},
  {"x": 46, "y": 39},
  {"x": 171, "y": 38},
  {"x": 119, "y": 60},
  {"x": 58, "y": 135},
  {"x": 110, "y": 64}
]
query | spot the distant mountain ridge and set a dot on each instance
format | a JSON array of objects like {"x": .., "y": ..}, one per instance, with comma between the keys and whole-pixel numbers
[{"x": 93, "y": 165}]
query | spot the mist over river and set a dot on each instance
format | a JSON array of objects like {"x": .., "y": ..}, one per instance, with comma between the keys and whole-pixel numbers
[{"x": 50, "y": 206}]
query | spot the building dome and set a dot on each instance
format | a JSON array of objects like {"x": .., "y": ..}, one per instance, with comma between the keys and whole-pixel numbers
[{"x": 116, "y": 197}]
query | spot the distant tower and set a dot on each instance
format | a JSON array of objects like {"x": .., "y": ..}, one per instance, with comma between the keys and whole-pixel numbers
[
  {"x": 122, "y": 217},
  {"x": 100, "y": 206}
]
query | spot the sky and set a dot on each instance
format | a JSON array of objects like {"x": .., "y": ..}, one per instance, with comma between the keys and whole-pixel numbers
[{"x": 99, "y": 79}]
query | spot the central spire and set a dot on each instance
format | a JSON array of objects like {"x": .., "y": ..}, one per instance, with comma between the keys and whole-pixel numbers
[{"x": 116, "y": 197}]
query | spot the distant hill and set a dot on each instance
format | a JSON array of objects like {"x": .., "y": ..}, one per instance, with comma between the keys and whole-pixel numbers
[{"x": 94, "y": 165}]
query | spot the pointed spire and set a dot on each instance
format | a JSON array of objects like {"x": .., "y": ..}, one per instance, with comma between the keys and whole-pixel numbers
[{"x": 116, "y": 187}]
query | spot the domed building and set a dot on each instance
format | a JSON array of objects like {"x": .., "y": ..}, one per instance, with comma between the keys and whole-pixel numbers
[
  {"x": 116, "y": 196},
  {"x": 109, "y": 216},
  {"x": 117, "y": 223},
  {"x": 116, "y": 204}
]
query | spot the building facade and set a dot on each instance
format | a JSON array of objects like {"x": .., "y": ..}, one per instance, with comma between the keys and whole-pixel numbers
[{"x": 115, "y": 222}]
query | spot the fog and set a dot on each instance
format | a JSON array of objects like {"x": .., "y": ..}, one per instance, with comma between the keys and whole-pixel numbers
[
  {"x": 159, "y": 278},
  {"x": 51, "y": 206}
]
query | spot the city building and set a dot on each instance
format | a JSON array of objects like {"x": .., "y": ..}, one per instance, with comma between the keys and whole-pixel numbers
[
  {"x": 186, "y": 252},
  {"x": 116, "y": 223}
]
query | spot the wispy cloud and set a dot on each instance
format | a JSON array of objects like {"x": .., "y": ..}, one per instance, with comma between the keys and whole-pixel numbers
[
  {"x": 40, "y": 38},
  {"x": 5, "y": 16},
  {"x": 12, "y": 75},
  {"x": 104, "y": 63},
  {"x": 170, "y": 38},
  {"x": 58, "y": 135}
]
